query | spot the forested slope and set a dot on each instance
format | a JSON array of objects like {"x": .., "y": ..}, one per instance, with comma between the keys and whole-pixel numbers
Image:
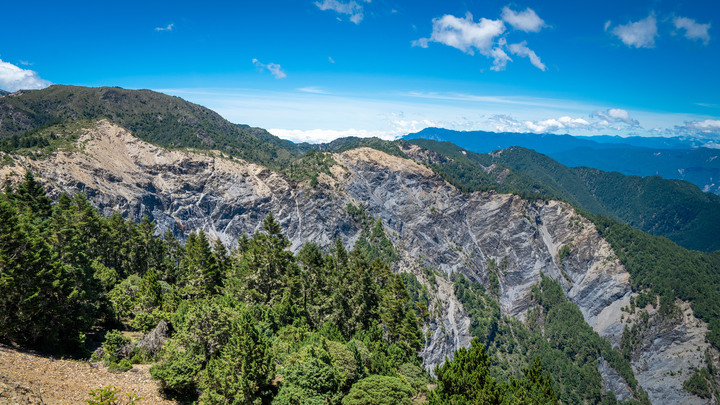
[{"x": 254, "y": 325}]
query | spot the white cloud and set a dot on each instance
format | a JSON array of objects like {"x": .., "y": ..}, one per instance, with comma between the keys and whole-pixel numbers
[
  {"x": 704, "y": 126},
  {"x": 397, "y": 113},
  {"x": 464, "y": 34},
  {"x": 325, "y": 135},
  {"x": 13, "y": 78},
  {"x": 273, "y": 68},
  {"x": 639, "y": 34},
  {"x": 521, "y": 49},
  {"x": 708, "y": 128},
  {"x": 486, "y": 36},
  {"x": 527, "y": 20},
  {"x": 330, "y": 59},
  {"x": 615, "y": 115},
  {"x": 608, "y": 23},
  {"x": 351, "y": 8},
  {"x": 169, "y": 27},
  {"x": 693, "y": 30}
]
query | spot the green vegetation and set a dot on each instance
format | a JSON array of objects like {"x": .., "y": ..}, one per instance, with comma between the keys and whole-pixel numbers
[
  {"x": 310, "y": 165},
  {"x": 343, "y": 144},
  {"x": 153, "y": 117},
  {"x": 108, "y": 395},
  {"x": 379, "y": 390},
  {"x": 248, "y": 326},
  {"x": 555, "y": 335},
  {"x": 698, "y": 385},
  {"x": 467, "y": 380},
  {"x": 470, "y": 172}
]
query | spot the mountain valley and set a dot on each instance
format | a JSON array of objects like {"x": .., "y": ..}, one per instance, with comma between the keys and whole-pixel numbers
[{"x": 511, "y": 256}]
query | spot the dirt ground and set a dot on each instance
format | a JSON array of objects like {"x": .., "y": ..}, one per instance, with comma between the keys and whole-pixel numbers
[{"x": 27, "y": 378}]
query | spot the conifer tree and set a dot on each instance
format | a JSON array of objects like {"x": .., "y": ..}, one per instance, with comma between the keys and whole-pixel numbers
[
  {"x": 200, "y": 275},
  {"x": 242, "y": 372}
]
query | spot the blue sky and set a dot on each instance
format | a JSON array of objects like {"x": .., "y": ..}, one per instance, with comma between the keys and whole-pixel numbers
[{"x": 318, "y": 69}]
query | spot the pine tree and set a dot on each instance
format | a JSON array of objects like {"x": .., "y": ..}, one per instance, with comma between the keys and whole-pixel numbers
[
  {"x": 263, "y": 267},
  {"x": 466, "y": 379},
  {"x": 30, "y": 195},
  {"x": 242, "y": 372},
  {"x": 199, "y": 269}
]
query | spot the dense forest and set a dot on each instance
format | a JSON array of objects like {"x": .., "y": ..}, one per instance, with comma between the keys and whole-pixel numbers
[{"x": 258, "y": 324}]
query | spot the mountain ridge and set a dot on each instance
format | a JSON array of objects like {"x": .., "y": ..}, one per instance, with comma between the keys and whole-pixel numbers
[
  {"x": 419, "y": 210},
  {"x": 672, "y": 158},
  {"x": 672, "y": 208}
]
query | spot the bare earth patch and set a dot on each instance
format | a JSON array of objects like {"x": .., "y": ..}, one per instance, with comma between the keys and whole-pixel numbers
[{"x": 27, "y": 378}]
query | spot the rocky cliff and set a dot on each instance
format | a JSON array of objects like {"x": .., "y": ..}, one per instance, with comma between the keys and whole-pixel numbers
[{"x": 431, "y": 224}]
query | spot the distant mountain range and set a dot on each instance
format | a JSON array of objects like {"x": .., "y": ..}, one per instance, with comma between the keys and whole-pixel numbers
[{"x": 670, "y": 158}]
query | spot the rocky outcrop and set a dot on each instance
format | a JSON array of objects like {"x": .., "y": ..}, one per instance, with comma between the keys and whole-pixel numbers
[{"x": 430, "y": 222}]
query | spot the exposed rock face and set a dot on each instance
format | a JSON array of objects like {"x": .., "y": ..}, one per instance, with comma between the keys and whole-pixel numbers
[
  {"x": 670, "y": 349},
  {"x": 613, "y": 382},
  {"x": 430, "y": 222}
]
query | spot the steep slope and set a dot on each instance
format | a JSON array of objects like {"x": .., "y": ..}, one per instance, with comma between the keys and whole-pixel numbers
[
  {"x": 675, "y": 209},
  {"x": 432, "y": 224}
]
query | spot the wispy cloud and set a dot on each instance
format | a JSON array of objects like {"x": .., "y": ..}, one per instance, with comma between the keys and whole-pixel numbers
[
  {"x": 693, "y": 30},
  {"x": 13, "y": 78},
  {"x": 521, "y": 49},
  {"x": 330, "y": 59},
  {"x": 168, "y": 27},
  {"x": 527, "y": 20},
  {"x": 351, "y": 8},
  {"x": 486, "y": 36},
  {"x": 640, "y": 34},
  {"x": 273, "y": 68},
  {"x": 312, "y": 90}
]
